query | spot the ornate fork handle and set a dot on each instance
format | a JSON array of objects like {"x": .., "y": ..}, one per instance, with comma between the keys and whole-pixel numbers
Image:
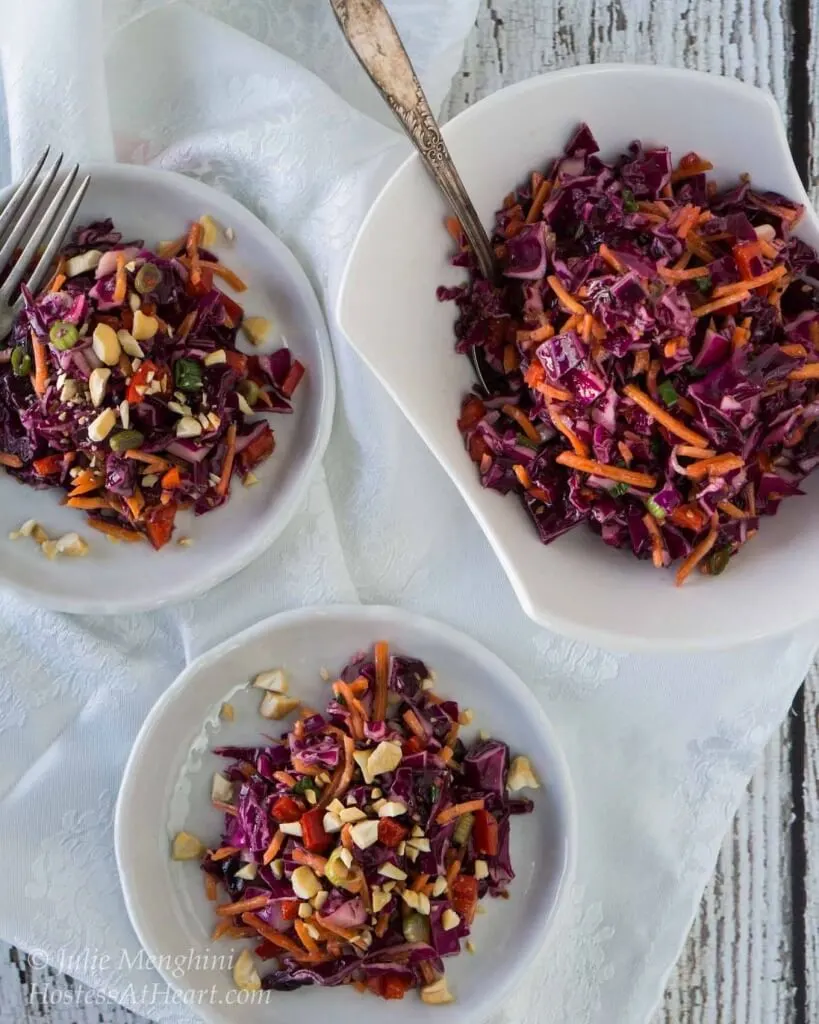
[{"x": 372, "y": 35}]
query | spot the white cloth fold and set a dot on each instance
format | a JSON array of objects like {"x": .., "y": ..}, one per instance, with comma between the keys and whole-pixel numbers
[{"x": 260, "y": 98}]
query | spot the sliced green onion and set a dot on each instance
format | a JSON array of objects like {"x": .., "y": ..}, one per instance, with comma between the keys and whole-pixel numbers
[
  {"x": 20, "y": 362},
  {"x": 618, "y": 490},
  {"x": 303, "y": 785},
  {"x": 629, "y": 202},
  {"x": 656, "y": 510},
  {"x": 63, "y": 335},
  {"x": 249, "y": 390},
  {"x": 127, "y": 440},
  {"x": 188, "y": 374},
  {"x": 704, "y": 283},
  {"x": 718, "y": 561},
  {"x": 667, "y": 393},
  {"x": 148, "y": 278},
  {"x": 463, "y": 829}
]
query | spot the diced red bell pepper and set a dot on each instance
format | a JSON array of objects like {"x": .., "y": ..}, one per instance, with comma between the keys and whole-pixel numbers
[
  {"x": 159, "y": 523},
  {"x": 140, "y": 380},
  {"x": 287, "y": 810},
  {"x": 414, "y": 745},
  {"x": 465, "y": 896},
  {"x": 394, "y": 986},
  {"x": 477, "y": 448},
  {"x": 289, "y": 909},
  {"x": 313, "y": 835},
  {"x": 236, "y": 361},
  {"x": 257, "y": 451},
  {"x": 690, "y": 517},
  {"x": 485, "y": 834},
  {"x": 267, "y": 951},
  {"x": 472, "y": 412},
  {"x": 204, "y": 284},
  {"x": 748, "y": 258},
  {"x": 49, "y": 465},
  {"x": 390, "y": 833},
  {"x": 233, "y": 309},
  {"x": 291, "y": 381}
]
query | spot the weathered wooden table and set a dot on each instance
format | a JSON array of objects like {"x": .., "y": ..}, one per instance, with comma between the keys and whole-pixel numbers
[{"x": 753, "y": 953}]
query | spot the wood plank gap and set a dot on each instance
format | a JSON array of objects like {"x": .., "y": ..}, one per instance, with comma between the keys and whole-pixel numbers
[
  {"x": 799, "y": 91},
  {"x": 798, "y": 860}
]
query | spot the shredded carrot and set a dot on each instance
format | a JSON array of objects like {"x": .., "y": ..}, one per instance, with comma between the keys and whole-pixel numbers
[
  {"x": 586, "y": 328},
  {"x": 57, "y": 283},
  {"x": 666, "y": 419},
  {"x": 538, "y": 334},
  {"x": 414, "y": 726},
  {"x": 683, "y": 261},
  {"x": 657, "y": 546},
  {"x": 511, "y": 359},
  {"x": 121, "y": 280},
  {"x": 312, "y": 860},
  {"x": 656, "y": 207},
  {"x": 453, "y": 871},
  {"x": 808, "y": 372},
  {"x": 693, "y": 452},
  {"x": 716, "y": 466},
  {"x": 382, "y": 924},
  {"x": 670, "y": 274},
  {"x": 513, "y": 228},
  {"x": 539, "y": 201},
  {"x": 468, "y": 807},
  {"x": 89, "y": 504},
  {"x": 687, "y": 221},
  {"x": 751, "y": 283},
  {"x": 730, "y": 509},
  {"x": 114, "y": 531},
  {"x": 358, "y": 687},
  {"x": 578, "y": 446},
  {"x": 10, "y": 461},
  {"x": 419, "y": 883},
  {"x": 274, "y": 937},
  {"x": 221, "y": 930},
  {"x": 740, "y": 337},
  {"x": 445, "y": 754},
  {"x": 172, "y": 478},
  {"x": 211, "y": 888},
  {"x": 170, "y": 249},
  {"x": 570, "y": 323},
  {"x": 242, "y": 906},
  {"x": 453, "y": 226},
  {"x": 626, "y": 452},
  {"x": 224, "y": 852},
  {"x": 652, "y": 375},
  {"x": 697, "y": 555},
  {"x": 670, "y": 348},
  {"x": 220, "y": 270},
  {"x": 555, "y": 392},
  {"x": 625, "y": 476},
  {"x": 154, "y": 461},
  {"x": 697, "y": 166},
  {"x": 750, "y": 497},
  {"x": 686, "y": 405},
  {"x": 698, "y": 247},
  {"x": 566, "y": 300},
  {"x": 608, "y": 256},
  {"x": 641, "y": 361},
  {"x": 343, "y": 774},
  {"x": 307, "y": 939},
  {"x": 794, "y": 349},
  {"x": 381, "y": 656},
  {"x": 769, "y": 250},
  {"x": 336, "y": 929},
  {"x": 523, "y": 476},
  {"x": 192, "y": 247},
  {"x": 220, "y": 805},
  {"x": 276, "y": 843},
  {"x": 227, "y": 465},
  {"x": 84, "y": 483},
  {"x": 522, "y": 421},
  {"x": 285, "y": 778},
  {"x": 40, "y": 365},
  {"x": 136, "y": 503}
]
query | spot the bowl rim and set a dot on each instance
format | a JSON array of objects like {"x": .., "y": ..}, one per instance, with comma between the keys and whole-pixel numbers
[
  {"x": 325, "y": 375},
  {"x": 560, "y": 784},
  {"x": 550, "y": 619}
]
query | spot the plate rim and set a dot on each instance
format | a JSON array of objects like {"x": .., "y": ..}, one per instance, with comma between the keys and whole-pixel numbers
[
  {"x": 562, "y": 783},
  {"x": 239, "y": 214}
]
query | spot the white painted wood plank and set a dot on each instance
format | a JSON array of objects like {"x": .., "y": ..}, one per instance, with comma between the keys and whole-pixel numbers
[
  {"x": 812, "y": 840},
  {"x": 735, "y": 966}
]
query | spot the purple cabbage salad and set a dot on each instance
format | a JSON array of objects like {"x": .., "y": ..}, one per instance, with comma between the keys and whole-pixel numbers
[
  {"x": 122, "y": 384},
  {"x": 651, "y": 352},
  {"x": 357, "y": 847}
]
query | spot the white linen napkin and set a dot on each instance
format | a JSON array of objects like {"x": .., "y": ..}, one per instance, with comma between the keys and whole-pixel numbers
[{"x": 262, "y": 99}]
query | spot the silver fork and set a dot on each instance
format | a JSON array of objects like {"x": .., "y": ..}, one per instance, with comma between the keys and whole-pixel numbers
[{"x": 17, "y": 222}]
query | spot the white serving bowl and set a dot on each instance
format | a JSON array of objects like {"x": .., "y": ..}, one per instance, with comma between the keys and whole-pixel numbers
[
  {"x": 115, "y": 579},
  {"x": 576, "y": 585},
  {"x": 166, "y": 788}
]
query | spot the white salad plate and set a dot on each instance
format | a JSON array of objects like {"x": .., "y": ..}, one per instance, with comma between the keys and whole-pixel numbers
[
  {"x": 166, "y": 788},
  {"x": 120, "y": 578},
  {"x": 576, "y": 585}
]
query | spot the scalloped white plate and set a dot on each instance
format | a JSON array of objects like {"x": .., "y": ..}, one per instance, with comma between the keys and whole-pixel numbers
[
  {"x": 166, "y": 787},
  {"x": 116, "y": 579},
  {"x": 576, "y": 585}
]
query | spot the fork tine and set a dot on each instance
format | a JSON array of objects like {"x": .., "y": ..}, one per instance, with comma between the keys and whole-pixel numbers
[
  {"x": 25, "y": 218},
  {"x": 57, "y": 238},
  {"x": 39, "y": 233},
  {"x": 20, "y": 193}
]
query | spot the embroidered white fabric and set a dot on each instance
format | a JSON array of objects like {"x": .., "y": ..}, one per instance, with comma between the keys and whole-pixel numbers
[{"x": 260, "y": 98}]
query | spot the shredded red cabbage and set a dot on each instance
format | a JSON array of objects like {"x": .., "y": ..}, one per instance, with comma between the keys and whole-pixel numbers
[{"x": 651, "y": 348}]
